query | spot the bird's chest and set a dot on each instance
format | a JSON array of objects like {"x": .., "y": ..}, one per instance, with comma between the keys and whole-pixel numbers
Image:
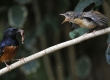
[
  {"x": 88, "y": 24},
  {"x": 11, "y": 42},
  {"x": 10, "y": 49},
  {"x": 84, "y": 23},
  {"x": 9, "y": 53}
]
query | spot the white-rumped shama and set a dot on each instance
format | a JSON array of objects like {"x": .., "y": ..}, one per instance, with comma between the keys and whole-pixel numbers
[{"x": 9, "y": 44}]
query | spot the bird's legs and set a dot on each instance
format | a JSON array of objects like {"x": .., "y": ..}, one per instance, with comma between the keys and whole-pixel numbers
[
  {"x": 21, "y": 59},
  {"x": 7, "y": 65}
]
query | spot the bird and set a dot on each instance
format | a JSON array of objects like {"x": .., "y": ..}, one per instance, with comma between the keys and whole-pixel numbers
[
  {"x": 93, "y": 20},
  {"x": 9, "y": 45}
]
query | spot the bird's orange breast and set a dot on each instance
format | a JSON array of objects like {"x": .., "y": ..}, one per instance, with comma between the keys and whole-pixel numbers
[{"x": 9, "y": 53}]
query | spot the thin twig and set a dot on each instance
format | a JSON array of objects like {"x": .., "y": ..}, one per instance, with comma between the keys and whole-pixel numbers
[{"x": 53, "y": 49}]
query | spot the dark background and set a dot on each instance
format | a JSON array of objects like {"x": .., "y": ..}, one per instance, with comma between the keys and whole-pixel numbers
[{"x": 42, "y": 24}]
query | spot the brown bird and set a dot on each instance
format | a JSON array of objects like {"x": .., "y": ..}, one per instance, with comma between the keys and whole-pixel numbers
[{"x": 93, "y": 20}]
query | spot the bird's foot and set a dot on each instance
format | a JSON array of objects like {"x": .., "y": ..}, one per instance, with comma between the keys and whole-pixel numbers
[
  {"x": 21, "y": 59},
  {"x": 94, "y": 31},
  {"x": 85, "y": 34},
  {"x": 7, "y": 66}
]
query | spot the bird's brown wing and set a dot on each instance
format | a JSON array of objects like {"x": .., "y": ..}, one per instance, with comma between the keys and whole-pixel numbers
[{"x": 97, "y": 17}]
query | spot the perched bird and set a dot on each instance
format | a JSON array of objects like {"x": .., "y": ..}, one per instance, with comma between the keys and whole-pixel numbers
[
  {"x": 93, "y": 20},
  {"x": 9, "y": 44}
]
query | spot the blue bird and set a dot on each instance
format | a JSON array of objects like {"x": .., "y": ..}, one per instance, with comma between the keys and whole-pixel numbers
[{"x": 9, "y": 44}]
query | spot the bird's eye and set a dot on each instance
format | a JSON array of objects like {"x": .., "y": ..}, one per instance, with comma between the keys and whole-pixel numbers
[
  {"x": 12, "y": 31},
  {"x": 67, "y": 14}
]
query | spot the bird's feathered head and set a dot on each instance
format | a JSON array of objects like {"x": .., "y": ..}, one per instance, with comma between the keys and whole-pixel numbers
[
  {"x": 12, "y": 32},
  {"x": 68, "y": 16}
]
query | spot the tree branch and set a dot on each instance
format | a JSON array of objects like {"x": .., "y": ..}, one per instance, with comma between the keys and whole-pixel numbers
[{"x": 53, "y": 49}]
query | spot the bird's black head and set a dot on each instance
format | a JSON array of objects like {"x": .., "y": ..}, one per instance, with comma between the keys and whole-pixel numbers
[{"x": 11, "y": 32}]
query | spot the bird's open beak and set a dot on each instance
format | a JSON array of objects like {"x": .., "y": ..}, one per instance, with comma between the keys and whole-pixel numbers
[
  {"x": 22, "y": 34},
  {"x": 66, "y": 18}
]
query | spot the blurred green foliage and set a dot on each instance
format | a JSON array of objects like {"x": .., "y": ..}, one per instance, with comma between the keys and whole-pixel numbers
[
  {"x": 17, "y": 16},
  {"x": 82, "y": 5},
  {"x": 108, "y": 55},
  {"x": 23, "y": 1},
  {"x": 78, "y": 32},
  {"x": 108, "y": 40},
  {"x": 85, "y": 3},
  {"x": 83, "y": 67},
  {"x": 41, "y": 22}
]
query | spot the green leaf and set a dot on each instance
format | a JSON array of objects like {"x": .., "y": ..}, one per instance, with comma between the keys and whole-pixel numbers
[
  {"x": 77, "y": 32},
  {"x": 83, "y": 67},
  {"x": 82, "y": 5},
  {"x": 17, "y": 16},
  {"x": 23, "y": 1},
  {"x": 98, "y": 2},
  {"x": 108, "y": 55},
  {"x": 85, "y": 3},
  {"x": 108, "y": 40}
]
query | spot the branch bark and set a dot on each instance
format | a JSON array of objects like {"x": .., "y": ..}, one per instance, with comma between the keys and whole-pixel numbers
[{"x": 54, "y": 48}]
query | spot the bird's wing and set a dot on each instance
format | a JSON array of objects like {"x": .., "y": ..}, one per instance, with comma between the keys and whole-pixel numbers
[
  {"x": 1, "y": 50},
  {"x": 97, "y": 17},
  {"x": 2, "y": 47},
  {"x": 7, "y": 51}
]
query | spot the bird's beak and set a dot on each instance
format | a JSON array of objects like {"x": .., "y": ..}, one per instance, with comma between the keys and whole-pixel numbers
[
  {"x": 22, "y": 34},
  {"x": 66, "y": 18},
  {"x": 62, "y": 14}
]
